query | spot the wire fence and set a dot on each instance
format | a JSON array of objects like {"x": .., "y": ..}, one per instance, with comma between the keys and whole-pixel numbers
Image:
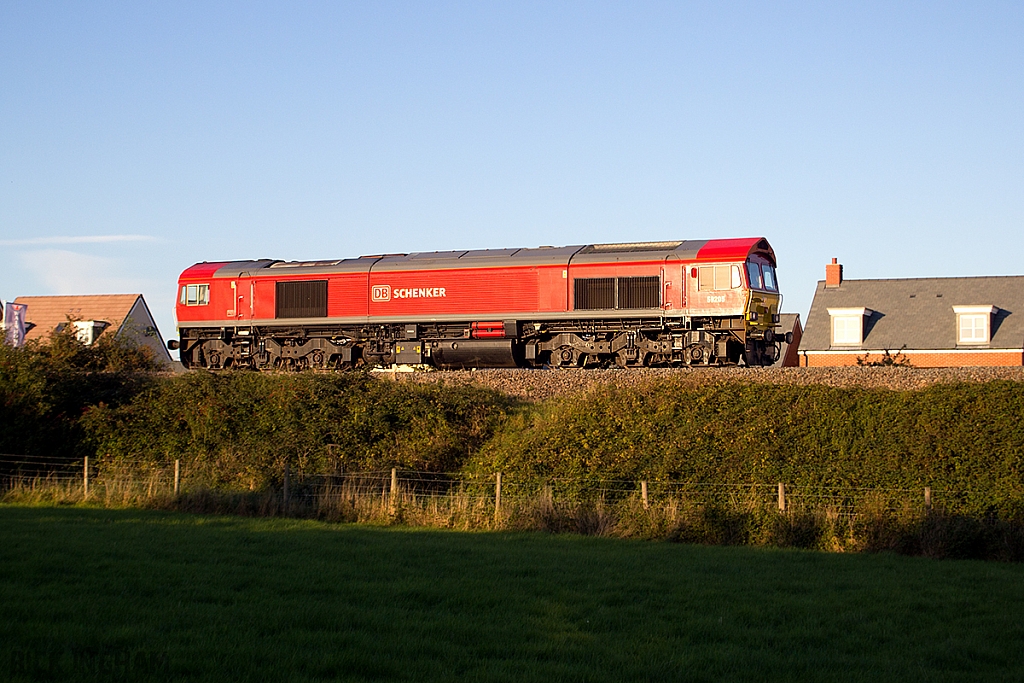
[{"x": 127, "y": 481}]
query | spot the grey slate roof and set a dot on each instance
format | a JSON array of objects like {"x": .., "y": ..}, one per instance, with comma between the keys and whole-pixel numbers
[{"x": 918, "y": 313}]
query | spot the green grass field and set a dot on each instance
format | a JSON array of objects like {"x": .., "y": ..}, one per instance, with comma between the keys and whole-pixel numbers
[{"x": 93, "y": 594}]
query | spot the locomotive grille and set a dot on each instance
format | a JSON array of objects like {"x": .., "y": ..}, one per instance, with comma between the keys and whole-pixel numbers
[
  {"x": 304, "y": 299},
  {"x": 622, "y": 292},
  {"x": 639, "y": 292},
  {"x": 594, "y": 292}
]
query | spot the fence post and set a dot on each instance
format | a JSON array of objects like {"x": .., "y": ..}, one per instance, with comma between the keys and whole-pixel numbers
[
  {"x": 394, "y": 487},
  {"x": 85, "y": 478},
  {"x": 497, "y": 496},
  {"x": 928, "y": 498},
  {"x": 782, "y": 497},
  {"x": 287, "y": 473},
  {"x": 177, "y": 476},
  {"x": 643, "y": 494}
]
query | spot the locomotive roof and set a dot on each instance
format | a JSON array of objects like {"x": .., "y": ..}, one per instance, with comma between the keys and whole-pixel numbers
[
  {"x": 685, "y": 250},
  {"x": 478, "y": 258}
]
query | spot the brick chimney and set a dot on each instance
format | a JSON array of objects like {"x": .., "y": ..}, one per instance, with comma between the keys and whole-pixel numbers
[{"x": 834, "y": 274}]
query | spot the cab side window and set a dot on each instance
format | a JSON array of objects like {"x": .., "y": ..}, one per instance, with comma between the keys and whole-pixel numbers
[
  {"x": 195, "y": 295},
  {"x": 717, "y": 278}
]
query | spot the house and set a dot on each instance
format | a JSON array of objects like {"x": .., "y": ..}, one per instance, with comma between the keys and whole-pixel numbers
[
  {"x": 925, "y": 322},
  {"x": 788, "y": 357},
  {"x": 119, "y": 315}
]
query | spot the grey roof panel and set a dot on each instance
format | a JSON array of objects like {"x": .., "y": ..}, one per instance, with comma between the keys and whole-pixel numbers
[
  {"x": 684, "y": 250},
  {"x": 349, "y": 265},
  {"x": 478, "y": 258},
  {"x": 237, "y": 268},
  {"x": 488, "y": 253},
  {"x": 539, "y": 256},
  {"x": 918, "y": 312}
]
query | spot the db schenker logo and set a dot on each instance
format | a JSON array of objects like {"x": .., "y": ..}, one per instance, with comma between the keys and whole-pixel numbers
[{"x": 385, "y": 293}]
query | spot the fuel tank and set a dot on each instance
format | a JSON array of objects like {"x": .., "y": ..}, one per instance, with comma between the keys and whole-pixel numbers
[{"x": 476, "y": 353}]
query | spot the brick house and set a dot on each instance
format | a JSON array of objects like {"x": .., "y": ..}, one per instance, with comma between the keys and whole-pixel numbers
[
  {"x": 119, "y": 315},
  {"x": 929, "y": 322}
]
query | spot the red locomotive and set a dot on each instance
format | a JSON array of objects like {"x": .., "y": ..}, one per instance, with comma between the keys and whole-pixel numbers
[{"x": 642, "y": 304}]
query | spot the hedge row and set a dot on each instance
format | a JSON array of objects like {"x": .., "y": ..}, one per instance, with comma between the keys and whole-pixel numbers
[
  {"x": 966, "y": 440},
  {"x": 239, "y": 429}
]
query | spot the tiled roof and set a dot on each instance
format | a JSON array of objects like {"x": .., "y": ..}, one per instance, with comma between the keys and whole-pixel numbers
[
  {"x": 46, "y": 312},
  {"x": 918, "y": 313}
]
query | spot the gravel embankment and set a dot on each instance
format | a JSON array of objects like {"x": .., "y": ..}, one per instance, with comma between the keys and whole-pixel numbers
[{"x": 537, "y": 385}]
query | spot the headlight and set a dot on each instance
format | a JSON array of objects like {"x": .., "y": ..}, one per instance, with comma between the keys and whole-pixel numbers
[{"x": 752, "y": 316}]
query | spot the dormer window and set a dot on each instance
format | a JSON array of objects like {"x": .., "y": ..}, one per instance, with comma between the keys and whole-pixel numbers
[
  {"x": 847, "y": 325},
  {"x": 973, "y": 324},
  {"x": 87, "y": 331}
]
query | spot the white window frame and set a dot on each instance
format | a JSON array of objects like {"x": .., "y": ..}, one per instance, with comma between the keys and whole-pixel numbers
[
  {"x": 974, "y": 314},
  {"x": 852, "y": 324},
  {"x": 718, "y": 278},
  {"x": 201, "y": 298}
]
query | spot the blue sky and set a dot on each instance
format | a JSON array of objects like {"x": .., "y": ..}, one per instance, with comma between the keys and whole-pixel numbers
[{"x": 139, "y": 138}]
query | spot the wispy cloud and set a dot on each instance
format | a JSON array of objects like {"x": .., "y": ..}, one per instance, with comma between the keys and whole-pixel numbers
[
  {"x": 75, "y": 239},
  {"x": 67, "y": 272}
]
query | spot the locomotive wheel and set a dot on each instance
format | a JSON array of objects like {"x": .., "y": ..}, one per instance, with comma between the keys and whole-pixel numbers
[
  {"x": 697, "y": 354},
  {"x": 568, "y": 357}
]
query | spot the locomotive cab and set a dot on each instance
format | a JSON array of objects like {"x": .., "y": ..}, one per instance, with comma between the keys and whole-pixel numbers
[{"x": 762, "y": 311}]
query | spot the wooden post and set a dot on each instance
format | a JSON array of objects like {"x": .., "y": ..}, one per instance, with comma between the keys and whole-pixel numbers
[
  {"x": 394, "y": 487},
  {"x": 928, "y": 498},
  {"x": 287, "y": 473},
  {"x": 643, "y": 494},
  {"x": 782, "y": 497},
  {"x": 85, "y": 478},
  {"x": 497, "y": 496},
  {"x": 177, "y": 476}
]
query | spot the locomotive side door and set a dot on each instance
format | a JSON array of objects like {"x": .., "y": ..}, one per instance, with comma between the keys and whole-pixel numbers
[
  {"x": 243, "y": 291},
  {"x": 673, "y": 284}
]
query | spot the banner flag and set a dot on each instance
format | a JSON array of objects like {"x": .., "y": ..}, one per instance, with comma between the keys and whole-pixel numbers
[{"x": 14, "y": 323}]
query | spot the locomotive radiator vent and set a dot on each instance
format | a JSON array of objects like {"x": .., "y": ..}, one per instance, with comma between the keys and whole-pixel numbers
[
  {"x": 593, "y": 293},
  {"x": 302, "y": 299}
]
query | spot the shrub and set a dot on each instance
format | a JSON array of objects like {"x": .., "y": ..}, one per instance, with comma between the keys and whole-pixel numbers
[
  {"x": 239, "y": 429},
  {"x": 46, "y": 387}
]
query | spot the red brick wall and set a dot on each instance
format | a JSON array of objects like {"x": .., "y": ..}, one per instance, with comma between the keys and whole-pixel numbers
[{"x": 936, "y": 359}]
